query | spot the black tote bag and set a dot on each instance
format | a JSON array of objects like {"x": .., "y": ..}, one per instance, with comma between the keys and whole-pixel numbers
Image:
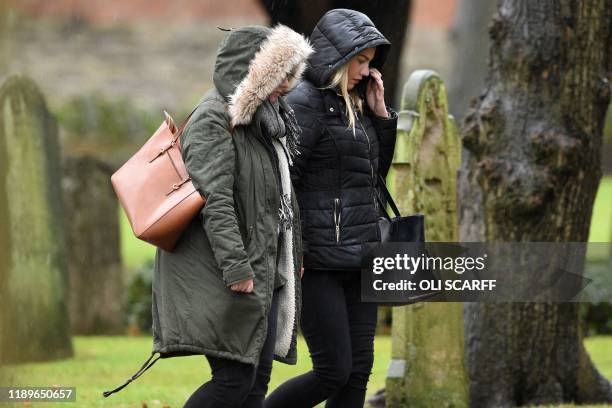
[{"x": 410, "y": 228}]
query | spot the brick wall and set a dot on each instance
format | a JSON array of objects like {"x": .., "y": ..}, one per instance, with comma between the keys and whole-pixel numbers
[
  {"x": 109, "y": 11},
  {"x": 434, "y": 14}
]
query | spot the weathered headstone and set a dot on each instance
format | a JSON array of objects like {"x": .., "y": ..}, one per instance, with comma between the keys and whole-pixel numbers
[
  {"x": 94, "y": 258},
  {"x": 427, "y": 368},
  {"x": 33, "y": 275},
  {"x": 3, "y": 37}
]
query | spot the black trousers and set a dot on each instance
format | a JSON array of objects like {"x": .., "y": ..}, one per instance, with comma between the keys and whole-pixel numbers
[
  {"x": 235, "y": 384},
  {"x": 339, "y": 330}
]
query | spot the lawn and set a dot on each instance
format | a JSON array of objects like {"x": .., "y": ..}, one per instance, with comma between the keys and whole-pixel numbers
[
  {"x": 601, "y": 223},
  {"x": 134, "y": 252},
  {"x": 102, "y": 363}
]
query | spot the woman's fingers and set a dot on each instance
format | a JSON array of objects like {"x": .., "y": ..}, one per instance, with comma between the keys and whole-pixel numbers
[
  {"x": 245, "y": 286},
  {"x": 375, "y": 86},
  {"x": 378, "y": 87},
  {"x": 376, "y": 74},
  {"x": 376, "y": 93},
  {"x": 376, "y": 78}
]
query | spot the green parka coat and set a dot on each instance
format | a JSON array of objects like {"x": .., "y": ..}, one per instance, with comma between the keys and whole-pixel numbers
[{"x": 235, "y": 237}]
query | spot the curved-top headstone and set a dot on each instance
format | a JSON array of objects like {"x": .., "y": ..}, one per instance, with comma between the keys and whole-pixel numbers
[
  {"x": 94, "y": 259},
  {"x": 427, "y": 367},
  {"x": 34, "y": 324}
]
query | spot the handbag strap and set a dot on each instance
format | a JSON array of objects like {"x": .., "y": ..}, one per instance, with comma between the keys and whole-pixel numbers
[
  {"x": 388, "y": 198},
  {"x": 179, "y": 132}
]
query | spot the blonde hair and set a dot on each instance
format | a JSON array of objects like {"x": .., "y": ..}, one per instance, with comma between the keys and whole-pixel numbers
[{"x": 351, "y": 99}]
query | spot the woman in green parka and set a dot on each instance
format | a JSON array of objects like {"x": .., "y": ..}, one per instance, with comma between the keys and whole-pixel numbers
[{"x": 230, "y": 289}]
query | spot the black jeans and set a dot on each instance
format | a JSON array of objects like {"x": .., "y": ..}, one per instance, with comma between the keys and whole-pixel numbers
[
  {"x": 339, "y": 330},
  {"x": 235, "y": 384}
]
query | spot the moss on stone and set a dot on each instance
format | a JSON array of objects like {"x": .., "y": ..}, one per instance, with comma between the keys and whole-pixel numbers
[
  {"x": 428, "y": 337},
  {"x": 34, "y": 314}
]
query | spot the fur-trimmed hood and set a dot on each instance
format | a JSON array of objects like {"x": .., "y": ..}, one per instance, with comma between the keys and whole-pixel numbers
[{"x": 252, "y": 61}]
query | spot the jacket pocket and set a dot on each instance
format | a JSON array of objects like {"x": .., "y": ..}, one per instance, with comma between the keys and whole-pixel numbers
[{"x": 337, "y": 218}]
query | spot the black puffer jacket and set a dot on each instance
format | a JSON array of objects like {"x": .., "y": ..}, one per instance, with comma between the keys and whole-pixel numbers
[{"x": 335, "y": 174}]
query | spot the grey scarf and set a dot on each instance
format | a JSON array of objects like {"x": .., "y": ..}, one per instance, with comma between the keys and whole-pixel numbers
[
  {"x": 278, "y": 120},
  {"x": 278, "y": 123}
]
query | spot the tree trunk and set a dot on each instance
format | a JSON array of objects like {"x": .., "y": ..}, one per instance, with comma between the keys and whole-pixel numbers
[
  {"x": 94, "y": 259},
  {"x": 470, "y": 44},
  {"x": 391, "y": 18},
  {"x": 534, "y": 138},
  {"x": 33, "y": 276}
]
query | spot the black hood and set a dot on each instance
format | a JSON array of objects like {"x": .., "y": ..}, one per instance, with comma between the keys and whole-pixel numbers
[{"x": 338, "y": 36}]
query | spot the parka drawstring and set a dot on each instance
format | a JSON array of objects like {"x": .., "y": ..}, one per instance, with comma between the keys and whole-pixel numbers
[{"x": 138, "y": 373}]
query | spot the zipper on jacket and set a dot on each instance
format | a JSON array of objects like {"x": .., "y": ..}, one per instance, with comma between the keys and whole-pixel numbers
[
  {"x": 337, "y": 218},
  {"x": 370, "y": 162}
]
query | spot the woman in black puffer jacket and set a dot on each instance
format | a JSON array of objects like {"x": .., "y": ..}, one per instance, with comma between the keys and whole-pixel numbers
[{"x": 348, "y": 137}]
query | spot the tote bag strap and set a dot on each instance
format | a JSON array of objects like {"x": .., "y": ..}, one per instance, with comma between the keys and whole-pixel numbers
[
  {"x": 388, "y": 198},
  {"x": 179, "y": 132}
]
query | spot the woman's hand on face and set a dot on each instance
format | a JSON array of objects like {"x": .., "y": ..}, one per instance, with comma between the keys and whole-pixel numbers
[
  {"x": 375, "y": 94},
  {"x": 245, "y": 286}
]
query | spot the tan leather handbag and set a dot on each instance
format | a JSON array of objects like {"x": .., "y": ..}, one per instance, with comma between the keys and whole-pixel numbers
[{"x": 155, "y": 190}]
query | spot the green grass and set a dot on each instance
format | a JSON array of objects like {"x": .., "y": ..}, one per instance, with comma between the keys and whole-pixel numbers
[
  {"x": 134, "y": 252},
  {"x": 601, "y": 223},
  {"x": 102, "y": 363},
  {"x": 600, "y": 350}
]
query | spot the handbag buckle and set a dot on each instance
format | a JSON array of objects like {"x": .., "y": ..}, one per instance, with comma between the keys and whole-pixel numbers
[{"x": 176, "y": 186}]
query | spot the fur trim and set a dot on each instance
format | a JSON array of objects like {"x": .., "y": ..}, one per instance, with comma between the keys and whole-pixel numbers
[{"x": 283, "y": 51}]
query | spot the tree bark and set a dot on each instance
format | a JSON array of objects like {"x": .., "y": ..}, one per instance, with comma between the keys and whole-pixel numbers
[
  {"x": 534, "y": 138},
  {"x": 392, "y": 19},
  {"x": 470, "y": 41}
]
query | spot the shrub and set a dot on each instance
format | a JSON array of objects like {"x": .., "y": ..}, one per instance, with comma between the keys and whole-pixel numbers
[{"x": 139, "y": 299}]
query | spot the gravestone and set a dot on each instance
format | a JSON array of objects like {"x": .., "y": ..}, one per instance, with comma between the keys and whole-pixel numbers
[
  {"x": 94, "y": 258},
  {"x": 34, "y": 323},
  {"x": 427, "y": 366}
]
